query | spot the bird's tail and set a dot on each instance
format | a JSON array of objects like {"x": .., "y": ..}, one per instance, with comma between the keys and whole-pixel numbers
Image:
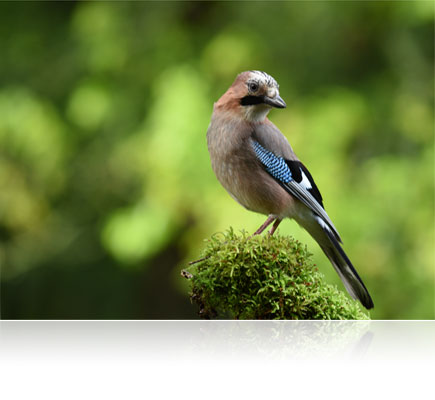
[{"x": 346, "y": 271}]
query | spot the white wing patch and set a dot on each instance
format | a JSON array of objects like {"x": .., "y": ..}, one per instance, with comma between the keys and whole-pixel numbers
[
  {"x": 305, "y": 181},
  {"x": 322, "y": 223}
]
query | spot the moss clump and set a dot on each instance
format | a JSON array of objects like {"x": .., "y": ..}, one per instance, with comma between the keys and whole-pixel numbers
[{"x": 264, "y": 277}]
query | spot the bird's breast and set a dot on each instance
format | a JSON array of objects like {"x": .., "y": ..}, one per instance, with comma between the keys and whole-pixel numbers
[{"x": 235, "y": 164}]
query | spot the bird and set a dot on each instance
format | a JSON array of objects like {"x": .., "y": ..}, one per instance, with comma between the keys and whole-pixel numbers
[{"x": 257, "y": 166}]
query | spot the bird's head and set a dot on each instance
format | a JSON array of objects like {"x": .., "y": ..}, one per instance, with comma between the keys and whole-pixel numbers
[{"x": 253, "y": 94}]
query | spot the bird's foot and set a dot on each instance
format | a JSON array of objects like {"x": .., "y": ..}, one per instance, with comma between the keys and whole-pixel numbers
[
  {"x": 260, "y": 230},
  {"x": 275, "y": 226}
]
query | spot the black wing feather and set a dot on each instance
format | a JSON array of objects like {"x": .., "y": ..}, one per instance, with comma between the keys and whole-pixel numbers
[{"x": 296, "y": 167}]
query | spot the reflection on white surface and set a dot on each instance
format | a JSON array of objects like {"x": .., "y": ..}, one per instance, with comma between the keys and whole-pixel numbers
[
  {"x": 219, "y": 340},
  {"x": 216, "y": 360}
]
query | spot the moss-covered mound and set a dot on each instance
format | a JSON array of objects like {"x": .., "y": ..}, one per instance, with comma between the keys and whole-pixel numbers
[{"x": 264, "y": 277}]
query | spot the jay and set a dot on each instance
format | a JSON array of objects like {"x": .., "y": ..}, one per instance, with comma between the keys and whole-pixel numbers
[{"x": 255, "y": 163}]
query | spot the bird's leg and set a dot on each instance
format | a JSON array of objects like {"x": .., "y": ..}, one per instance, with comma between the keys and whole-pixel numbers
[
  {"x": 269, "y": 220},
  {"x": 275, "y": 225}
]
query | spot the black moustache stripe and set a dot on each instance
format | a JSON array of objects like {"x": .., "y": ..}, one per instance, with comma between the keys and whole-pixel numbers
[{"x": 251, "y": 100}]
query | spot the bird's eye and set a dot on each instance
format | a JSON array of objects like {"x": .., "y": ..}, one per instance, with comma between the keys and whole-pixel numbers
[{"x": 253, "y": 86}]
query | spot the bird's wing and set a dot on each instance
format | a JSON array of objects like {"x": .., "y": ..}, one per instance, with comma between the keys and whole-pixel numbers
[{"x": 294, "y": 177}]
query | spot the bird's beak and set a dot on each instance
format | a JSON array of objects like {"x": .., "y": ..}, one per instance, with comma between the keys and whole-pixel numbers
[{"x": 275, "y": 101}]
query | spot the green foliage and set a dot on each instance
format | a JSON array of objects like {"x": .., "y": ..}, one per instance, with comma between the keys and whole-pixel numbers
[{"x": 264, "y": 277}]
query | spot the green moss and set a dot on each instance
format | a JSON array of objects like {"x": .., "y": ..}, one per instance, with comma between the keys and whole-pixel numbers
[{"x": 264, "y": 277}]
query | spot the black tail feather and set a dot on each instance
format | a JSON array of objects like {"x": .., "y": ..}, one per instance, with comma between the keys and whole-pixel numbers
[{"x": 346, "y": 271}]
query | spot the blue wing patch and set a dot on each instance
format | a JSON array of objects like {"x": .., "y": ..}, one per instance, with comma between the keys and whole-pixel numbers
[{"x": 276, "y": 166}]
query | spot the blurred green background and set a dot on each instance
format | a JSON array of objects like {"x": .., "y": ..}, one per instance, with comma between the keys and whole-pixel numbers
[{"x": 106, "y": 189}]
